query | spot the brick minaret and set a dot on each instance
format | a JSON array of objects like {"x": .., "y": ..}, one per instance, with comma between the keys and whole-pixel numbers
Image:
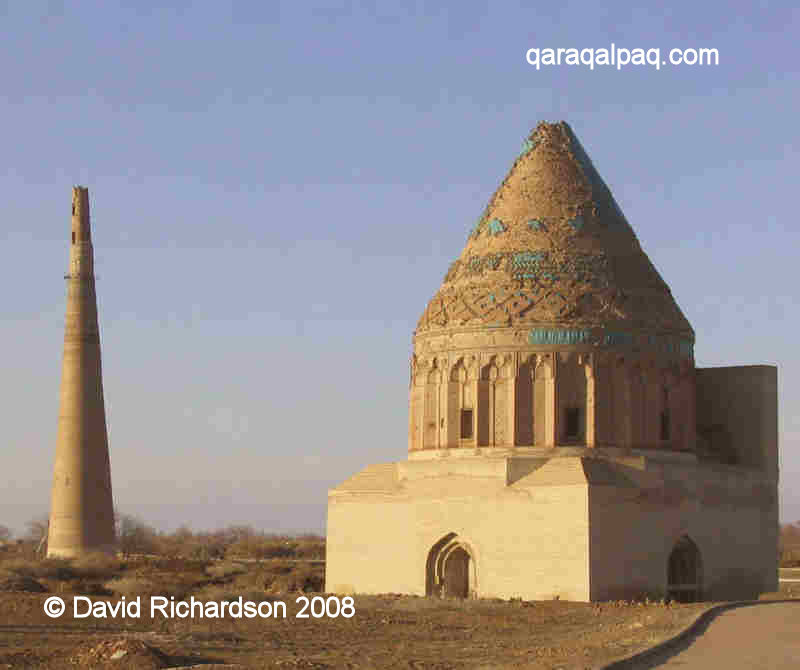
[{"x": 82, "y": 509}]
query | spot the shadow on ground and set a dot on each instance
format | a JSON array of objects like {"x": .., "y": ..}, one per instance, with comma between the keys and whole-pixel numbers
[{"x": 662, "y": 653}]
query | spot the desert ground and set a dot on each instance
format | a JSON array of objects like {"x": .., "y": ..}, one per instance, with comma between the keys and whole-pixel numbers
[{"x": 388, "y": 631}]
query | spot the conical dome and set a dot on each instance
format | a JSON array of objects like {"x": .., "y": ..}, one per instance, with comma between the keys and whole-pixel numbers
[{"x": 553, "y": 258}]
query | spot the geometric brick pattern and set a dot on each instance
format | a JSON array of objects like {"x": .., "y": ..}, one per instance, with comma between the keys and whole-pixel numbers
[{"x": 554, "y": 249}]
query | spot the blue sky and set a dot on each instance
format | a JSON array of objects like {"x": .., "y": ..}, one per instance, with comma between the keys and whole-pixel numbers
[{"x": 278, "y": 188}]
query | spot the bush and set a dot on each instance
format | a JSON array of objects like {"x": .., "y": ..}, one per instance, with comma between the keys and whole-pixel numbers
[
  {"x": 264, "y": 546},
  {"x": 131, "y": 587},
  {"x": 135, "y": 536},
  {"x": 48, "y": 568},
  {"x": 790, "y": 545},
  {"x": 21, "y": 584},
  {"x": 790, "y": 559},
  {"x": 96, "y": 566},
  {"x": 303, "y": 578},
  {"x": 225, "y": 569},
  {"x": 86, "y": 568}
]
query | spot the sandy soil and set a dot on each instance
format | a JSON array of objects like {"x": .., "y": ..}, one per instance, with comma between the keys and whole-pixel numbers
[{"x": 385, "y": 632}]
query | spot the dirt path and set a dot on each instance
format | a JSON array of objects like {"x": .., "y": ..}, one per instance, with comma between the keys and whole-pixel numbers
[{"x": 760, "y": 636}]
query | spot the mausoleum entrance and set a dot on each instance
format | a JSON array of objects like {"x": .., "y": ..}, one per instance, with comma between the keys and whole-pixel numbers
[
  {"x": 685, "y": 572},
  {"x": 450, "y": 569}
]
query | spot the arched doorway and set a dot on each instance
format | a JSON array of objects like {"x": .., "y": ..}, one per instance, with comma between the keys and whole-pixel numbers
[
  {"x": 456, "y": 573},
  {"x": 685, "y": 572},
  {"x": 450, "y": 569}
]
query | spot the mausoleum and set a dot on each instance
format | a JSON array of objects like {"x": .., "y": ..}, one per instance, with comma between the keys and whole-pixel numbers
[{"x": 561, "y": 441}]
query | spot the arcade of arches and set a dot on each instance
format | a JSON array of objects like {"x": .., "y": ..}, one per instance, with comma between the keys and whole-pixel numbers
[{"x": 521, "y": 399}]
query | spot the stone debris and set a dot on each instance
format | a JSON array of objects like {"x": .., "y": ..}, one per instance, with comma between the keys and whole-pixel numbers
[
  {"x": 22, "y": 584},
  {"x": 120, "y": 653}
]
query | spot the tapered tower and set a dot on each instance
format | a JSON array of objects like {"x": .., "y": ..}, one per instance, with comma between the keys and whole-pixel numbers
[{"x": 82, "y": 509}]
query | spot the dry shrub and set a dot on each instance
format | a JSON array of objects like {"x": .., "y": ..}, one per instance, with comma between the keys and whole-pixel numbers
[
  {"x": 260, "y": 547},
  {"x": 172, "y": 564},
  {"x": 131, "y": 587},
  {"x": 311, "y": 547},
  {"x": 93, "y": 567},
  {"x": 86, "y": 588},
  {"x": 265, "y": 546},
  {"x": 303, "y": 577},
  {"x": 253, "y": 579},
  {"x": 120, "y": 653},
  {"x": 230, "y": 593},
  {"x": 271, "y": 575},
  {"x": 214, "y": 592},
  {"x": 187, "y": 544},
  {"x": 225, "y": 569},
  {"x": 790, "y": 558},
  {"x": 790, "y": 545},
  {"x": 134, "y": 536},
  {"x": 21, "y": 584},
  {"x": 48, "y": 568},
  {"x": 97, "y": 566}
]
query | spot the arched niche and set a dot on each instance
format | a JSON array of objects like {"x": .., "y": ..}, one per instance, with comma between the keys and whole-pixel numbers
[
  {"x": 504, "y": 402},
  {"x": 667, "y": 408},
  {"x": 652, "y": 398},
  {"x": 544, "y": 401},
  {"x": 571, "y": 399},
  {"x": 487, "y": 386},
  {"x": 685, "y": 571},
  {"x": 524, "y": 405},
  {"x": 416, "y": 399},
  {"x": 431, "y": 410},
  {"x": 601, "y": 373},
  {"x": 637, "y": 393},
  {"x": 620, "y": 410},
  {"x": 450, "y": 568},
  {"x": 460, "y": 405},
  {"x": 682, "y": 399}
]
